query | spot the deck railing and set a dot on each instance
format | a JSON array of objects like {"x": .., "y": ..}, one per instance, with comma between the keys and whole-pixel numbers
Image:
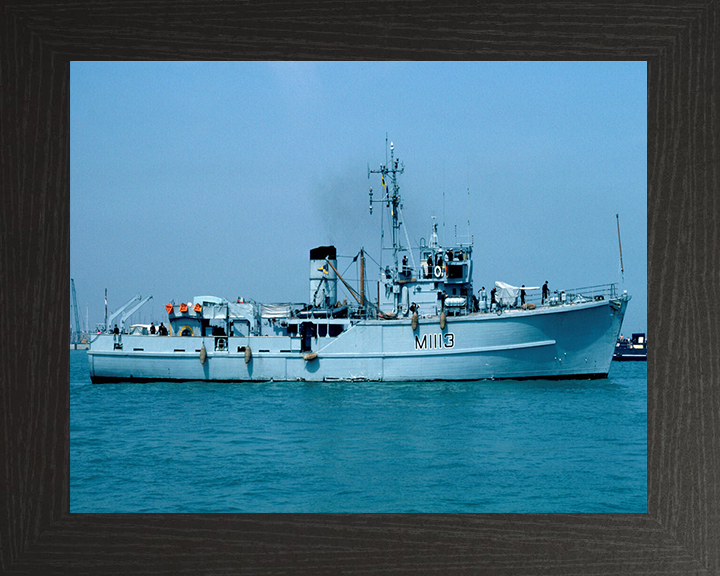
[
  {"x": 588, "y": 293},
  {"x": 572, "y": 296}
]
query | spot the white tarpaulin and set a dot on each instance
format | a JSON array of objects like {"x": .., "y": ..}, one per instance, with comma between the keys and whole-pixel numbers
[
  {"x": 282, "y": 310},
  {"x": 507, "y": 295},
  {"x": 215, "y": 311},
  {"x": 241, "y": 310},
  {"x": 207, "y": 300},
  {"x": 214, "y": 308}
]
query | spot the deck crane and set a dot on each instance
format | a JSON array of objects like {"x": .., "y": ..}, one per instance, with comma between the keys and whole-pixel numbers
[
  {"x": 121, "y": 310},
  {"x": 76, "y": 334},
  {"x": 132, "y": 310}
]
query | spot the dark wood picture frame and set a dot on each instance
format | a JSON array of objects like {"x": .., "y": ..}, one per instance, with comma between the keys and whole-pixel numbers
[{"x": 681, "y": 530}]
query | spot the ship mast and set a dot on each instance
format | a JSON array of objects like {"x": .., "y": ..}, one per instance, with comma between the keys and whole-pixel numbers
[
  {"x": 622, "y": 270},
  {"x": 391, "y": 199}
]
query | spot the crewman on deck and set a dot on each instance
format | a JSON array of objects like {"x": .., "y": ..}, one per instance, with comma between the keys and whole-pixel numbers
[
  {"x": 522, "y": 295},
  {"x": 116, "y": 330},
  {"x": 152, "y": 327},
  {"x": 492, "y": 297},
  {"x": 545, "y": 291}
]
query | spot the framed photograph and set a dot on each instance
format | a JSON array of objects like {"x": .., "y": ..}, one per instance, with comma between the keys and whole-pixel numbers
[{"x": 677, "y": 532}]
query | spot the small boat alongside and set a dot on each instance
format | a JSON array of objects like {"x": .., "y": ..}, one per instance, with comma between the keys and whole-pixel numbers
[{"x": 634, "y": 348}]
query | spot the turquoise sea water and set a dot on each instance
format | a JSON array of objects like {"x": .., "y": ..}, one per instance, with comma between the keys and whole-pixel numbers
[{"x": 487, "y": 446}]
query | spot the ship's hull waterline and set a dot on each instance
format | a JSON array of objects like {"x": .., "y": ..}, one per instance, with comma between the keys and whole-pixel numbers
[{"x": 567, "y": 341}]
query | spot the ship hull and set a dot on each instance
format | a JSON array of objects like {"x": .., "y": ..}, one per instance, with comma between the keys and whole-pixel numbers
[{"x": 568, "y": 341}]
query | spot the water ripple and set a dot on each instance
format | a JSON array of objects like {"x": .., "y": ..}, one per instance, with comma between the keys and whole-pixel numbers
[{"x": 507, "y": 446}]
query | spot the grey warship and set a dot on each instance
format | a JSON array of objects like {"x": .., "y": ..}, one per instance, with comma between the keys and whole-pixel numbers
[{"x": 425, "y": 322}]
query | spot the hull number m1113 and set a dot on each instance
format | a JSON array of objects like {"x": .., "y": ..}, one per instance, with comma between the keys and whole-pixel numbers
[{"x": 435, "y": 341}]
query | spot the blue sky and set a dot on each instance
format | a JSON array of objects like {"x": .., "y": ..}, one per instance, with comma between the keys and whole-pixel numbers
[{"x": 192, "y": 178}]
